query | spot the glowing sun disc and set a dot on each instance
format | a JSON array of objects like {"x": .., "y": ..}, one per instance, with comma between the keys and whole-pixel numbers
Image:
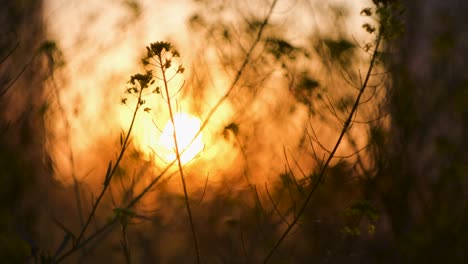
[{"x": 187, "y": 127}]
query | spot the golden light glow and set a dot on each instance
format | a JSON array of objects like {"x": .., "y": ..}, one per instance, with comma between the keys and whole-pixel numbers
[{"x": 187, "y": 127}]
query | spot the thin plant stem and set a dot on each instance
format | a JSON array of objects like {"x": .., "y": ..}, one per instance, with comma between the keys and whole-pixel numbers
[
  {"x": 110, "y": 173},
  {"x": 124, "y": 244},
  {"x": 218, "y": 104},
  {"x": 179, "y": 162},
  {"x": 87, "y": 240},
  {"x": 10, "y": 84},
  {"x": 9, "y": 53},
  {"x": 81, "y": 241},
  {"x": 323, "y": 171},
  {"x": 237, "y": 78}
]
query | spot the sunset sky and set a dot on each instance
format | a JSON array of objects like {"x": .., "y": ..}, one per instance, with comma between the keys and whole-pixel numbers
[
  {"x": 102, "y": 43},
  {"x": 226, "y": 131}
]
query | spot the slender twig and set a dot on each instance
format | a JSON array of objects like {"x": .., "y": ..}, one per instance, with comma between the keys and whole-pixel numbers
[
  {"x": 81, "y": 241},
  {"x": 179, "y": 162},
  {"x": 348, "y": 81},
  {"x": 110, "y": 173},
  {"x": 218, "y": 104},
  {"x": 204, "y": 190},
  {"x": 9, "y": 53},
  {"x": 110, "y": 224},
  {"x": 275, "y": 205},
  {"x": 332, "y": 110},
  {"x": 124, "y": 244},
  {"x": 149, "y": 186},
  {"x": 314, "y": 152},
  {"x": 2, "y": 93},
  {"x": 321, "y": 175},
  {"x": 297, "y": 165},
  {"x": 291, "y": 172},
  {"x": 239, "y": 73},
  {"x": 316, "y": 140},
  {"x": 87, "y": 240}
]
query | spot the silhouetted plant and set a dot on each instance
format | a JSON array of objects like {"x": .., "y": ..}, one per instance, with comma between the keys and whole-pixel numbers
[
  {"x": 293, "y": 201},
  {"x": 138, "y": 84},
  {"x": 160, "y": 55}
]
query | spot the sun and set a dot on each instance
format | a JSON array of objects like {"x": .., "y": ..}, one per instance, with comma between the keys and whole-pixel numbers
[
  {"x": 156, "y": 142},
  {"x": 187, "y": 127}
]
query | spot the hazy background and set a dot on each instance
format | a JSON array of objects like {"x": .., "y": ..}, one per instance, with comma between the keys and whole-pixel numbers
[
  {"x": 261, "y": 131},
  {"x": 102, "y": 43},
  {"x": 396, "y": 191}
]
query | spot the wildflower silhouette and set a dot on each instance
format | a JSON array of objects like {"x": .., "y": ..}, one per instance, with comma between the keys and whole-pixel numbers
[{"x": 160, "y": 55}]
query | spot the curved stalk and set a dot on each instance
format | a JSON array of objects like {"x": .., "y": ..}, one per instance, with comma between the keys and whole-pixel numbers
[
  {"x": 109, "y": 174},
  {"x": 179, "y": 162},
  {"x": 324, "y": 168}
]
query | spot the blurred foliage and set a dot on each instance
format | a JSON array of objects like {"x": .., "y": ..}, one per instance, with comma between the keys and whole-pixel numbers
[
  {"x": 22, "y": 155},
  {"x": 421, "y": 179},
  {"x": 16, "y": 177},
  {"x": 338, "y": 48},
  {"x": 279, "y": 47}
]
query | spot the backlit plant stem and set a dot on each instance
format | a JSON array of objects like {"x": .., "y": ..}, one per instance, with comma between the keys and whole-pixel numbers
[
  {"x": 110, "y": 173},
  {"x": 179, "y": 162},
  {"x": 321, "y": 175}
]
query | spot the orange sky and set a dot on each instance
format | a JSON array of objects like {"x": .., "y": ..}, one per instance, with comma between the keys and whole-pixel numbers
[{"x": 102, "y": 42}]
